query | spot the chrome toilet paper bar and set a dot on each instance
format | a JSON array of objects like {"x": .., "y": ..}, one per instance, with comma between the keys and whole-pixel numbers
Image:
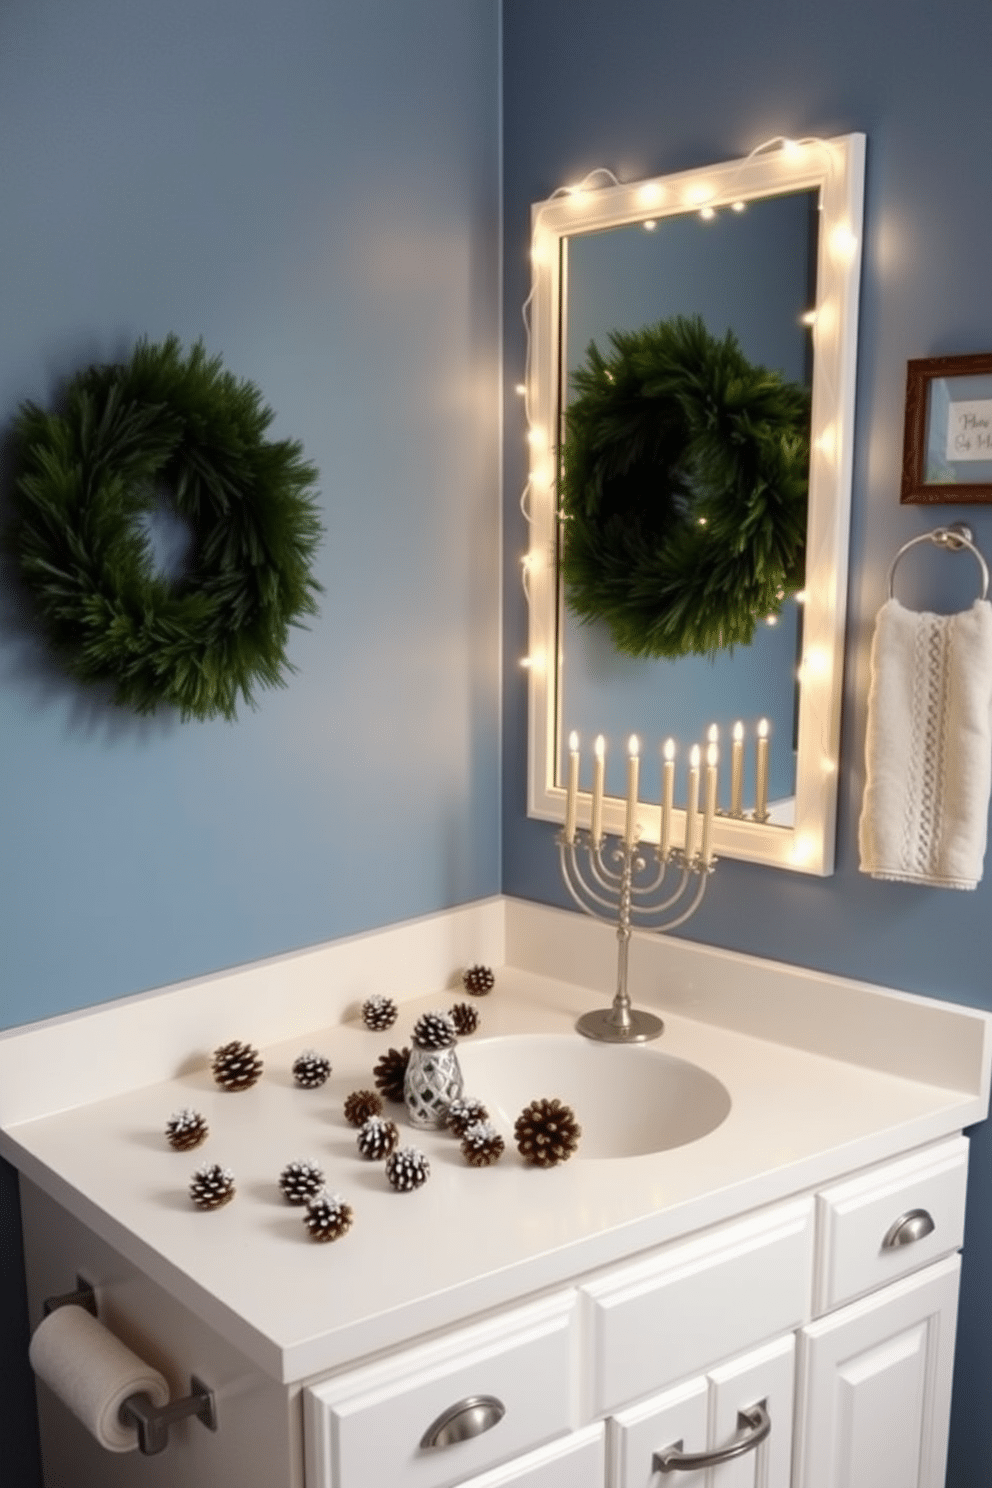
[{"x": 151, "y": 1421}]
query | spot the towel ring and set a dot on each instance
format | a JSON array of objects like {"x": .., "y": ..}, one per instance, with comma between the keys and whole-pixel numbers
[{"x": 955, "y": 537}]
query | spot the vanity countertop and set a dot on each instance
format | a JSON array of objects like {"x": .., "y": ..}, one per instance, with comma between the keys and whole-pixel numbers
[{"x": 469, "y": 1239}]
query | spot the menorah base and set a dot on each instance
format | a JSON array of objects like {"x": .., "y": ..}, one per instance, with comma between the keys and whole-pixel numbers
[{"x": 620, "y": 1026}]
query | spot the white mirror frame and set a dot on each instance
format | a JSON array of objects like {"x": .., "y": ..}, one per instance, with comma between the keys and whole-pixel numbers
[{"x": 834, "y": 167}]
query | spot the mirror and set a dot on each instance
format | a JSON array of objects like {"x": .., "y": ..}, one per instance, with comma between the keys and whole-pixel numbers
[{"x": 768, "y": 247}]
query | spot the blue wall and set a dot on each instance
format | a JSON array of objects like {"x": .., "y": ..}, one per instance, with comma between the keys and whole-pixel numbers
[
  {"x": 312, "y": 186},
  {"x": 653, "y": 87},
  {"x": 313, "y": 189}
]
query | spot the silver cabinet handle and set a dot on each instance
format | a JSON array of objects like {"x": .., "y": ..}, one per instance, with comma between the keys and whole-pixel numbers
[
  {"x": 752, "y": 1427},
  {"x": 912, "y": 1225},
  {"x": 469, "y": 1417}
]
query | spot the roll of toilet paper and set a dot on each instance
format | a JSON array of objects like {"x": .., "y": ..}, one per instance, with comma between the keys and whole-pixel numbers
[{"x": 93, "y": 1373}]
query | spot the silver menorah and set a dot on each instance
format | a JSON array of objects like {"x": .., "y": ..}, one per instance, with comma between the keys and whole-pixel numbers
[{"x": 635, "y": 894}]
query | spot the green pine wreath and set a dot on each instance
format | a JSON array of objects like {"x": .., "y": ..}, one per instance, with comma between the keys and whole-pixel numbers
[
  {"x": 174, "y": 427},
  {"x": 684, "y": 488}
]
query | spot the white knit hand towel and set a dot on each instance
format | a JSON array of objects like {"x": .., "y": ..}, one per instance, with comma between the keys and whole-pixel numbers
[{"x": 928, "y": 750}]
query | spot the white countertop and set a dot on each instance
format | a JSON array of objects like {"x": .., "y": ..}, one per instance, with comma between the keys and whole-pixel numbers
[{"x": 470, "y": 1239}]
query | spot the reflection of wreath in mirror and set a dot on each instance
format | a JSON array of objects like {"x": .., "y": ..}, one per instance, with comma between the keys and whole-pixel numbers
[
  {"x": 684, "y": 488},
  {"x": 165, "y": 428}
]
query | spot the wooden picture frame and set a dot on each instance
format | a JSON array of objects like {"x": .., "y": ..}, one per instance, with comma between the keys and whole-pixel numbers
[{"x": 947, "y": 447}]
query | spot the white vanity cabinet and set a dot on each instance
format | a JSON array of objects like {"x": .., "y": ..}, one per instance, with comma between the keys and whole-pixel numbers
[
  {"x": 685, "y": 1350},
  {"x": 801, "y": 1257}
]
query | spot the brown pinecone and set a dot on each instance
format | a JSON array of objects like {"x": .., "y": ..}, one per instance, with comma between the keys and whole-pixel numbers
[
  {"x": 328, "y": 1217},
  {"x": 463, "y": 1113},
  {"x": 211, "y": 1186},
  {"x": 433, "y": 1031},
  {"x": 311, "y": 1069},
  {"x": 465, "y": 1018},
  {"x": 482, "y": 1145},
  {"x": 390, "y": 1072},
  {"x": 547, "y": 1133},
  {"x": 360, "y": 1105},
  {"x": 407, "y": 1169},
  {"x": 478, "y": 980},
  {"x": 377, "y": 1138},
  {"x": 379, "y": 1012},
  {"x": 186, "y": 1129},
  {"x": 236, "y": 1066},
  {"x": 299, "y": 1181}
]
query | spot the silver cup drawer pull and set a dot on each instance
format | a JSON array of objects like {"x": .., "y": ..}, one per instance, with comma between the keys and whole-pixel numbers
[
  {"x": 467, "y": 1418},
  {"x": 752, "y": 1427},
  {"x": 913, "y": 1225}
]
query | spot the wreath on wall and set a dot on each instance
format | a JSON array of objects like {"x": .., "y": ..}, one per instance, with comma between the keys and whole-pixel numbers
[
  {"x": 179, "y": 430},
  {"x": 684, "y": 488}
]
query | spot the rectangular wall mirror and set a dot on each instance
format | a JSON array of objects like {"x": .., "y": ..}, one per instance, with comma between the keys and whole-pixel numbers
[{"x": 768, "y": 247}]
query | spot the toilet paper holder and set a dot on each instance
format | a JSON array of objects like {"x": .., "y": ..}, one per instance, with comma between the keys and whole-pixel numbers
[{"x": 152, "y": 1421}]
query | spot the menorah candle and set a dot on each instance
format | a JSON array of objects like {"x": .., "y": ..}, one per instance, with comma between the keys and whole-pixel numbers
[
  {"x": 709, "y": 810},
  {"x": 692, "y": 805},
  {"x": 667, "y": 796},
  {"x": 761, "y": 772},
  {"x": 737, "y": 770},
  {"x": 633, "y": 776},
  {"x": 598, "y": 774},
  {"x": 572, "y": 797}
]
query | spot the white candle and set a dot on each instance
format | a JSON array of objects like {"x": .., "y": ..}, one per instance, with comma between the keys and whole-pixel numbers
[
  {"x": 761, "y": 772},
  {"x": 598, "y": 772},
  {"x": 572, "y": 797},
  {"x": 692, "y": 805},
  {"x": 633, "y": 775},
  {"x": 737, "y": 770},
  {"x": 709, "y": 811},
  {"x": 667, "y": 796}
]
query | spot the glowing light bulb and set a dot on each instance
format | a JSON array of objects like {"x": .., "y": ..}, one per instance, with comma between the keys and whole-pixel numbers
[
  {"x": 707, "y": 213},
  {"x": 771, "y": 619},
  {"x": 650, "y": 193},
  {"x": 843, "y": 243},
  {"x": 650, "y": 225},
  {"x": 738, "y": 206},
  {"x": 521, "y": 390},
  {"x": 808, "y": 318}
]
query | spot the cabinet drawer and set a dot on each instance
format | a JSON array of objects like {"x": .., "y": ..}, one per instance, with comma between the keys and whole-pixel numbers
[
  {"x": 364, "y": 1429},
  {"x": 855, "y": 1217},
  {"x": 697, "y": 1301},
  {"x": 576, "y": 1462}
]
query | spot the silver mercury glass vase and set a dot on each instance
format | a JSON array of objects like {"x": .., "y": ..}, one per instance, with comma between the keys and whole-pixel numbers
[{"x": 433, "y": 1080}]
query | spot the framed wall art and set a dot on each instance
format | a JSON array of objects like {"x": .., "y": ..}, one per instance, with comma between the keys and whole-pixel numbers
[{"x": 947, "y": 449}]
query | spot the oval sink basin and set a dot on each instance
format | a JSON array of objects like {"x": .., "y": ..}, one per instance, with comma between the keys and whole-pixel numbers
[{"x": 628, "y": 1100}]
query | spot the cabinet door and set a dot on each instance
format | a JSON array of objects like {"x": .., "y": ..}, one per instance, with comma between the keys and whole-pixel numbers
[
  {"x": 702, "y": 1416},
  {"x": 875, "y": 1389}
]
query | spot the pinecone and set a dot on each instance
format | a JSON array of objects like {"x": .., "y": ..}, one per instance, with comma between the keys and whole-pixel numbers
[
  {"x": 547, "y": 1133},
  {"x": 311, "y": 1069},
  {"x": 186, "y": 1129},
  {"x": 328, "y": 1217},
  {"x": 478, "y": 980},
  {"x": 433, "y": 1031},
  {"x": 299, "y": 1181},
  {"x": 379, "y": 1012},
  {"x": 482, "y": 1145},
  {"x": 465, "y": 1018},
  {"x": 360, "y": 1105},
  {"x": 377, "y": 1138},
  {"x": 390, "y": 1072},
  {"x": 407, "y": 1169},
  {"x": 463, "y": 1113},
  {"x": 211, "y": 1186},
  {"x": 236, "y": 1066}
]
